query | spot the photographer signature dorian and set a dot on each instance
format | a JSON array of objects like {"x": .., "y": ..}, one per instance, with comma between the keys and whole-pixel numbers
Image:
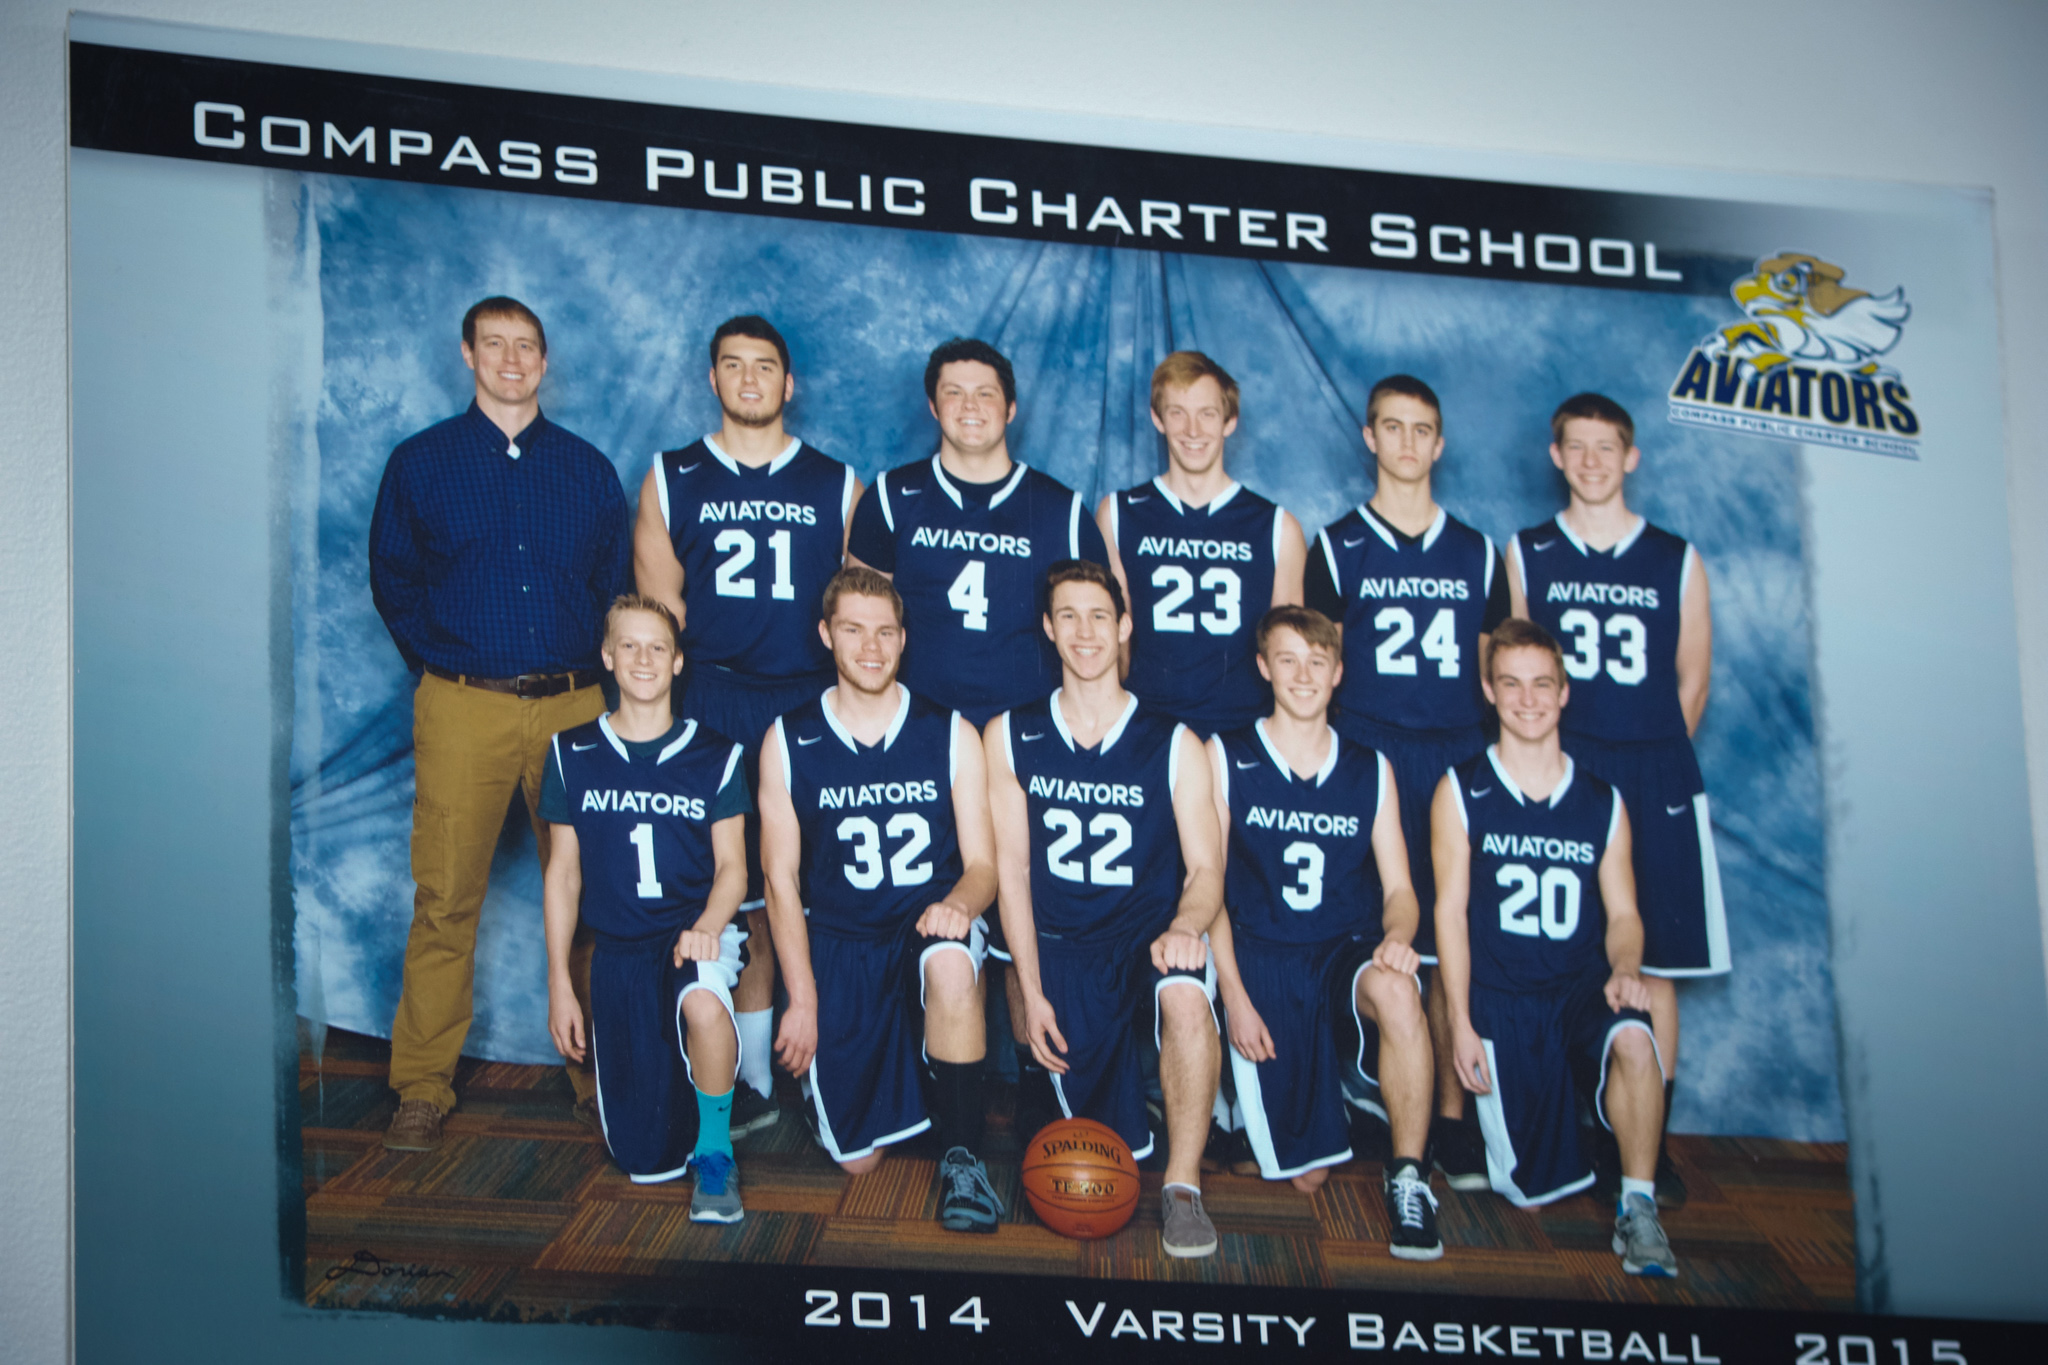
[{"x": 375, "y": 1267}]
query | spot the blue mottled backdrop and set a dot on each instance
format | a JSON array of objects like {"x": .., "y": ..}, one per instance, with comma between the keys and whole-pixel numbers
[{"x": 630, "y": 295}]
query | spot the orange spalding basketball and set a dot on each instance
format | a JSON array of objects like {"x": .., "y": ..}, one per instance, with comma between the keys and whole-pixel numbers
[{"x": 1080, "y": 1178}]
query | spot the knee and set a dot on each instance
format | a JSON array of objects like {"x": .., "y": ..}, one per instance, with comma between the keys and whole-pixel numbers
[
  {"x": 950, "y": 981},
  {"x": 1184, "y": 1016},
  {"x": 861, "y": 1165},
  {"x": 1634, "y": 1050},
  {"x": 704, "y": 1011},
  {"x": 1396, "y": 1004}
]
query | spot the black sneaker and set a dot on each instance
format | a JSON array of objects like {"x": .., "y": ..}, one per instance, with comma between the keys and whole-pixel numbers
[
  {"x": 1459, "y": 1153},
  {"x": 969, "y": 1202},
  {"x": 1671, "y": 1191},
  {"x": 1411, "y": 1212},
  {"x": 1229, "y": 1151},
  {"x": 752, "y": 1111}
]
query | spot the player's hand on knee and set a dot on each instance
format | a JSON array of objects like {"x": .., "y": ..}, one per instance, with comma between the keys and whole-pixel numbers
[
  {"x": 796, "y": 1042},
  {"x": 1042, "y": 1031},
  {"x": 1395, "y": 956},
  {"x": 1626, "y": 990},
  {"x": 1179, "y": 950},
  {"x": 565, "y": 1026},
  {"x": 1248, "y": 1033},
  {"x": 943, "y": 919},
  {"x": 694, "y": 945},
  {"x": 1470, "y": 1055}
]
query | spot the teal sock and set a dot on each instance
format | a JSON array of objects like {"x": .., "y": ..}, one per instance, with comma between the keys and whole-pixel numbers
[{"x": 714, "y": 1124}]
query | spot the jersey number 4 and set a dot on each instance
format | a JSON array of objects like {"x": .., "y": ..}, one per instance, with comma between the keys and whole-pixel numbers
[
  {"x": 865, "y": 871},
  {"x": 1101, "y": 868},
  {"x": 969, "y": 595},
  {"x": 1171, "y": 613},
  {"x": 1439, "y": 642},
  {"x": 1559, "y": 889},
  {"x": 738, "y": 545},
  {"x": 1632, "y": 646}
]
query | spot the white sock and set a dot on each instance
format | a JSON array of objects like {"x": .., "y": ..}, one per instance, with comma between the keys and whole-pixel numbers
[
  {"x": 757, "y": 1042},
  {"x": 1646, "y": 1188}
]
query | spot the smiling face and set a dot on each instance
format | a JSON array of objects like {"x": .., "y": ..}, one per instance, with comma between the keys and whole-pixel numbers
[
  {"x": 970, "y": 407},
  {"x": 1527, "y": 684},
  {"x": 1086, "y": 629},
  {"x": 750, "y": 381},
  {"x": 508, "y": 358},
  {"x": 640, "y": 650},
  {"x": 1304, "y": 676},
  {"x": 866, "y": 641},
  {"x": 1595, "y": 457},
  {"x": 1194, "y": 421},
  {"x": 1406, "y": 437}
]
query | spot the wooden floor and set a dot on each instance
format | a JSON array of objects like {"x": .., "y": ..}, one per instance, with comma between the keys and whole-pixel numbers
[{"x": 521, "y": 1216}]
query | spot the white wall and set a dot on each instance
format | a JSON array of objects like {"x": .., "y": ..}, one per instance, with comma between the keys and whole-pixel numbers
[{"x": 1879, "y": 90}]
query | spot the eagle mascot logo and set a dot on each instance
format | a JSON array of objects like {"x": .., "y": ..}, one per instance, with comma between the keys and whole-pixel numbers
[{"x": 1799, "y": 310}]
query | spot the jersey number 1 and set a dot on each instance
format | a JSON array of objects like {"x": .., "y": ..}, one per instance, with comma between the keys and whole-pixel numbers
[{"x": 740, "y": 546}]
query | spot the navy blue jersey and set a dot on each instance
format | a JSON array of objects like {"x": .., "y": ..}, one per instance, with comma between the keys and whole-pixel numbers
[
  {"x": 643, "y": 825},
  {"x": 1301, "y": 867},
  {"x": 756, "y": 546},
  {"x": 969, "y": 560},
  {"x": 1200, "y": 578},
  {"x": 879, "y": 841},
  {"x": 1413, "y": 609},
  {"x": 1616, "y": 612},
  {"x": 1535, "y": 919},
  {"x": 1105, "y": 848}
]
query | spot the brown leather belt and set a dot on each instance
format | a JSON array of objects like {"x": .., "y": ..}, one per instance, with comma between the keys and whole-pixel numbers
[{"x": 528, "y": 685}]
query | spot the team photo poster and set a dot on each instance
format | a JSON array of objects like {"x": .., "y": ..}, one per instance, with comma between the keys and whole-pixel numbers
[{"x": 632, "y": 230}]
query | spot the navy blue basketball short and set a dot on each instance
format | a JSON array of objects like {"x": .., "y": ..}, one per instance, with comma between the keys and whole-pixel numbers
[
  {"x": 867, "y": 1077},
  {"x": 1542, "y": 1049},
  {"x": 1307, "y": 996},
  {"x": 1678, "y": 878},
  {"x": 742, "y": 708},
  {"x": 1100, "y": 994},
  {"x": 1419, "y": 759},
  {"x": 645, "y": 1101}
]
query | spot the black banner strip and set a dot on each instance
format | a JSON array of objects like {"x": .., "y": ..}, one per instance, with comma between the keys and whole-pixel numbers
[{"x": 428, "y": 132}]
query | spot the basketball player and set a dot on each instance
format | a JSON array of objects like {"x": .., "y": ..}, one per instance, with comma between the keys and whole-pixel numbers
[
  {"x": 875, "y": 803},
  {"x": 1111, "y": 874},
  {"x": 1200, "y": 558},
  {"x": 1321, "y": 924},
  {"x": 647, "y": 815},
  {"x": 1415, "y": 590},
  {"x": 1541, "y": 949},
  {"x": 1629, "y": 602},
  {"x": 737, "y": 534}
]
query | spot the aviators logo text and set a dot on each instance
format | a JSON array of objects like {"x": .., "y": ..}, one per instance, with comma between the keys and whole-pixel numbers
[{"x": 1803, "y": 366}]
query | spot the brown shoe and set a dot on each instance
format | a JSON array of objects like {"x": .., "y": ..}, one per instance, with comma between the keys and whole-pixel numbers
[
  {"x": 586, "y": 1114},
  {"x": 416, "y": 1127}
]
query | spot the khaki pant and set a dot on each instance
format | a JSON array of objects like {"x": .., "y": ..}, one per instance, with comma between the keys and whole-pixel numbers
[{"x": 471, "y": 750}]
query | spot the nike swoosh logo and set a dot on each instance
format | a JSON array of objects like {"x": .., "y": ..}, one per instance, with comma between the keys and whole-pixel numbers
[
  {"x": 1544, "y": 544},
  {"x": 801, "y": 741},
  {"x": 1141, "y": 497},
  {"x": 579, "y": 748},
  {"x": 1242, "y": 764},
  {"x": 1354, "y": 544},
  {"x": 1481, "y": 792},
  {"x": 909, "y": 492},
  {"x": 688, "y": 467},
  {"x": 1028, "y": 738},
  {"x": 1677, "y": 810}
]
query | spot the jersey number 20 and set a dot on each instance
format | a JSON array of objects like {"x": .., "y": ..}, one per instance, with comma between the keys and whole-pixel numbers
[{"x": 1559, "y": 889}]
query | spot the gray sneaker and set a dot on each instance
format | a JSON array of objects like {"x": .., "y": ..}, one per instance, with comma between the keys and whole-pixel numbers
[
  {"x": 717, "y": 1196},
  {"x": 1640, "y": 1241},
  {"x": 970, "y": 1202},
  {"x": 1187, "y": 1231}
]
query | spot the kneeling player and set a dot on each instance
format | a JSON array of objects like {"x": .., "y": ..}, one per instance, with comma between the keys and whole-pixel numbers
[
  {"x": 1111, "y": 875},
  {"x": 1321, "y": 923},
  {"x": 872, "y": 800},
  {"x": 1544, "y": 971},
  {"x": 650, "y": 810}
]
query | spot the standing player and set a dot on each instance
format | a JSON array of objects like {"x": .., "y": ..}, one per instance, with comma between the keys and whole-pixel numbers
[
  {"x": 1111, "y": 875},
  {"x": 874, "y": 802},
  {"x": 1629, "y": 602},
  {"x": 737, "y": 534},
  {"x": 1541, "y": 948},
  {"x": 967, "y": 535},
  {"x": 1321, "y": 921},
  {"x": 1200, "y": 558},
  {"x": 1415, "y": 590},
  {"x": 647, "y": 816},
  {"x": 497, "y": 542}
]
